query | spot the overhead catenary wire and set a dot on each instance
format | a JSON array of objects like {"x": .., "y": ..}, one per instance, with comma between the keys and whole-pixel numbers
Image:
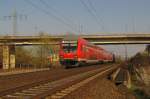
[
  {"x": 50, "y": 14},
  {"x": 58, "y": 13},
  {"x": 93, "y": 8},
  {"x": 100, "y": 20},
  {"x": 95, "y": 17}
]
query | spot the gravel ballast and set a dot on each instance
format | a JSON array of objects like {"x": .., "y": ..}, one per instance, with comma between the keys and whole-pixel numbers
[{"x": 100, "y": 88}]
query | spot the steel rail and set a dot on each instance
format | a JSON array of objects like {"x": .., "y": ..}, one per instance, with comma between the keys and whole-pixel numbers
[{"x": 45, "y": 89}]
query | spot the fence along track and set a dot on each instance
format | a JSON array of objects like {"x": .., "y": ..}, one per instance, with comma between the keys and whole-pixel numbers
[{"x": 45, "y": 88}]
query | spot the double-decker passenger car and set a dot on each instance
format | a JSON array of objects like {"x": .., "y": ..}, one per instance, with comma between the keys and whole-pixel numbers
[{"x": 79, "y": 52}]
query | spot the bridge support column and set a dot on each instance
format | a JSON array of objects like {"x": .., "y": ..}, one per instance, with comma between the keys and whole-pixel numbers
[
  {"x": 12, "y": 59},
  {"x": 5, "y": 57},
  {"x": 8, "y": 57}
]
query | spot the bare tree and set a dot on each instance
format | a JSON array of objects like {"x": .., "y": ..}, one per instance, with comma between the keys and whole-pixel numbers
[
  {"x": 46, "y": 52},
  {"x": 23, "y": 57}
]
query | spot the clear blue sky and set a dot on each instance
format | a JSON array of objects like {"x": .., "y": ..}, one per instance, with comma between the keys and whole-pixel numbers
[
  {"x": 61, "y": 16},
  {"x": 113, "y": 15}
]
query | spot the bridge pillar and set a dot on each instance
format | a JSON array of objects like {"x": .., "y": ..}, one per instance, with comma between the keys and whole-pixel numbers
[
  {"x": 8, "y": 57},
  {"x": 12, "y": 59},
  {"x": 5, "y": 57}
]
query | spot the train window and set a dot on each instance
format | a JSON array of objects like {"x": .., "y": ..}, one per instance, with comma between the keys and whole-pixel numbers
[
  {"x": 73, "y": 48},
  {"x": 69, "y": 47},
  {"x": 66, "y": 48}
]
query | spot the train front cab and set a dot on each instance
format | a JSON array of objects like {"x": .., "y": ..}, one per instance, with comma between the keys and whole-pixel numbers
[{"x": 68, "y": 53}]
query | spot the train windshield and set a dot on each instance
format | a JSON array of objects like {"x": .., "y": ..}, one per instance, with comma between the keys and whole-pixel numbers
[{"x": 69, "y": 47}]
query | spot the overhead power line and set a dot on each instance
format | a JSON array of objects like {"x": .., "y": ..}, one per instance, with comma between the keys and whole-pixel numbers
[
  {"x": 90, "y": 3},
  {"x": 15, "y": 17},
  {"x": 49, "y": 14},
  {"x": 58, "y": 13},
  {"x": 98, "y": 17},
  {"x": 92, "y": 12}
]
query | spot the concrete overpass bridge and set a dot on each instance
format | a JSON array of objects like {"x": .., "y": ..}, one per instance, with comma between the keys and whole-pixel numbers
[
  {"x": 8, "y": 43},
  {"x": 96, "y": 39}
]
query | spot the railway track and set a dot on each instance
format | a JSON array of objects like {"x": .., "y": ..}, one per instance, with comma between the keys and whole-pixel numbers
[{"x": 59, "y": 88}]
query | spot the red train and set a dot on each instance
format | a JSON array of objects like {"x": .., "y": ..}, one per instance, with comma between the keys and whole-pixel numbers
[{"x": 79, "y": 52}]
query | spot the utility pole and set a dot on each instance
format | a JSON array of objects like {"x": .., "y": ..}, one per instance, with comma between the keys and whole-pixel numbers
[
  {"x": 14, "y": 17},
  {"x": 11, "y": 60},
  {"x": 36, "y": 29},
  {"x": 133, "y": 24},
  {"x": 80, "y": 29},
  {"x": 126, "y": 53}
]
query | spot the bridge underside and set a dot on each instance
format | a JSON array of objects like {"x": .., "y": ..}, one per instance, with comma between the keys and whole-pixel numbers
[{"x": 96, "y": 39}]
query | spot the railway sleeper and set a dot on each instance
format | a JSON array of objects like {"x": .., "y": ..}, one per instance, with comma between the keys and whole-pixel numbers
[
  {"x": 34, "y": 92},
  {"x": 63, "y": 93},
  {"x": 24, "y": 94},
  {"x": 48, "y": 86},
  {"x": 11, "y": 96}
]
